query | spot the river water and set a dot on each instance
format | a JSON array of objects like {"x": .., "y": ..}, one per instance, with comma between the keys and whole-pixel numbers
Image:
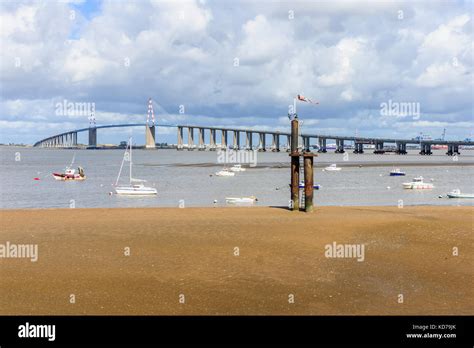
[{"x": 186, "y": 178}]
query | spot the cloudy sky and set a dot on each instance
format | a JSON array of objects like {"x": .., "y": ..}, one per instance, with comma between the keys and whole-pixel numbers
[{"x": 237, "y": 63}]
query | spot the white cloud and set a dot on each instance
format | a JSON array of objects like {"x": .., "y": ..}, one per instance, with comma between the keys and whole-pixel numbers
[{"x": 349, "y": 55}]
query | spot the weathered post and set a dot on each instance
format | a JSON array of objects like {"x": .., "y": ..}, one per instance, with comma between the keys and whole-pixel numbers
[
  {"x": 295, "y": 165},
  {"x": 308, "y": 182}
]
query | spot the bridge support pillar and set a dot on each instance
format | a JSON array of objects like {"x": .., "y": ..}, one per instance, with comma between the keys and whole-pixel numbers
[
  {"x": 306, "y": 144},
  {"x": 201, "y": 146},
  {"x": 180, "y": 138},
  {"x": 92, "y": 138},
  {"x": 401, "y": 148},
  {"x": 288, "y": 143},
  {"x": 340, "y": 146},
  {"x": 453, "y": 149},
  {"x": 236, "y": 142},
  {"x": 322, "y": 145},
  {"x": 223, "y": 139},
  {"x": 212, "y": 140},
  {"x": 358, "y": 147},
  {"x": 248, "y": 141},
  {"x": 425, "y": 149},
  {"x": 276, "y": 142},
  {"x": 379, "y": 148},
  {"x": 150, "y": 142},
  {"x": 262, "y": 146},
  {"x": 190, "y": 138}
]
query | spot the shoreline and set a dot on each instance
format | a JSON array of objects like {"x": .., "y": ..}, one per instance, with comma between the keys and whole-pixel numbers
[
  {"x": 255, "y": 206},
  {"x": 322, "y": 164},
  {"x": 191, "y": 251}
]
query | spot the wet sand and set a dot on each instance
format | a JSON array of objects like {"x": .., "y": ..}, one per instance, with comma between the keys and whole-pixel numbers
[{"x": 192, "y": 252}]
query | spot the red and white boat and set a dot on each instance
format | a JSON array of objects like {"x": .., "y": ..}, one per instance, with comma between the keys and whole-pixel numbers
[{"x": 70, "y": 174}]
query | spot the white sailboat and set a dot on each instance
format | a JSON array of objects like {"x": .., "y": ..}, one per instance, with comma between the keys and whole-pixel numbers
[{"x": 136, "y": 186}]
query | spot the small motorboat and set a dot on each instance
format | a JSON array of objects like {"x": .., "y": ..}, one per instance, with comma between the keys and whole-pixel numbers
[
  {"x": 70, "y": 174},
  {"x": 239, "y": 200},
  {"x": 237, "y": 168},
  {"x": 315, "y": 186},
  {"x": 225, "y": 172},
  {"x": 332, "y": 168},
  {"x": 397, "y": 172},
  {"x": 417, "y": 183},
  {"x": 457, "y": 194}
]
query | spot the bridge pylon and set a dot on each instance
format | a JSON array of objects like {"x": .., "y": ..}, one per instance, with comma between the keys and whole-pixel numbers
[
  {"x": 150, "y": 141},
  {"x": 92, "y": 132}
]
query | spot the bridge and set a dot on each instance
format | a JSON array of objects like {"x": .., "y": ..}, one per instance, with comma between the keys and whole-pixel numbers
[{"x": 69, "y": 139}]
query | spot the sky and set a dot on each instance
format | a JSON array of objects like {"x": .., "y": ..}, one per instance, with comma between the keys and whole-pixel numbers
[{"x": 377, "y": 68}]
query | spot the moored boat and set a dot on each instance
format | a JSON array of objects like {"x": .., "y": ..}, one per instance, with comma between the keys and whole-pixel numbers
[
  {"x": 225, "y": 172},
  {"x": 417, "y": 183},
  {"x": 457, "y": 194},
  {"x": 237, "y": 168},
  {"x": 397, "y": 172},
  {"x": 70, "y": 174},
  {"x": 135, "y": 186},
  {"x": 315, "y": 186},
  {"x": 237, "y": 200},
  {"x": 135, "y": 190},
  {"x": 332, "y": 167}
]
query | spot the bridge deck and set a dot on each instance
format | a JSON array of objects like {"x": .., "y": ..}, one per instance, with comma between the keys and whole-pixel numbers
[{"x": 366, "y": 140}]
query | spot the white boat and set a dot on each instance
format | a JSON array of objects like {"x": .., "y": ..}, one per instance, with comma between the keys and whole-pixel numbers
[
  {"x": 417, "y": 183},
  {"x": 397, "y": 172},
  {"x": 70, "y": 174},
  {"x": 237, "y": 168},
  {"x": 457, "y": 194},
  {"x": 315, "y": 186},
  {"x": 332, "y": 167},
  {"x": 225, "y": 172},
  {"x": 237, "y": 200},
  {"x": 135, "y": 186}
]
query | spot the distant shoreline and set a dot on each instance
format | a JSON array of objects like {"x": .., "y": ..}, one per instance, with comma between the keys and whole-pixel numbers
[{"x": 323, "y": 164}]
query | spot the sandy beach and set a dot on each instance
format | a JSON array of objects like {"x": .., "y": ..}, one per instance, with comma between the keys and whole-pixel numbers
[{"x": 238, "y": 261}]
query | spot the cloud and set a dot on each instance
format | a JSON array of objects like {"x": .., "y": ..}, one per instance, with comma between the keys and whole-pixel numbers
[{"x": 349, "y": 55}]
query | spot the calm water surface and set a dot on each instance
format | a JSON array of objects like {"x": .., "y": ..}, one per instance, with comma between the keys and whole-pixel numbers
[{"x": 186, "y": 175}]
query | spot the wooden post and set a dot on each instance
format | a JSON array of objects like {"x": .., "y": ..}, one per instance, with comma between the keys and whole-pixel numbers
[
  {"x": 308, "y": 182},
  {"x": 295, "y": 166}
]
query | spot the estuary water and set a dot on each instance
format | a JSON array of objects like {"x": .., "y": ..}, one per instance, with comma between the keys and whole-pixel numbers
[{"x": 187, "y": 178}]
